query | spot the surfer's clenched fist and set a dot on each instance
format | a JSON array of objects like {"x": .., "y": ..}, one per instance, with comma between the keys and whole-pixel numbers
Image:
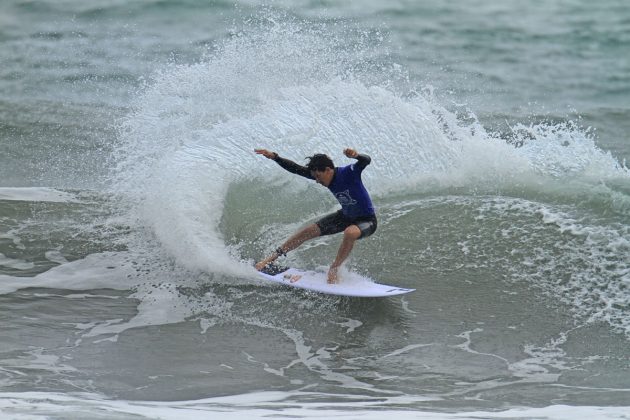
[{"x": 351, "y": 153}]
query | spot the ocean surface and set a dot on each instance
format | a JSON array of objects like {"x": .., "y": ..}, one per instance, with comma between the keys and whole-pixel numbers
[{"x": 132, "y": 208}]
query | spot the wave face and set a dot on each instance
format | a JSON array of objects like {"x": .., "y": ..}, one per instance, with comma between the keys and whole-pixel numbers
[
  {"x": 299, "y": 88},
  {"x": 189, "y": 174},
  {"x": 134, "y": 292}
]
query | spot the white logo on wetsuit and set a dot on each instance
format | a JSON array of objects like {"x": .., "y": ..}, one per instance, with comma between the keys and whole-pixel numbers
[{"x": 345, "y": 199}]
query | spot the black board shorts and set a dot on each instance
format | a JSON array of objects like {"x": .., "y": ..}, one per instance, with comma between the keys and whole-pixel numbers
[{"x": 337, "y": 222}]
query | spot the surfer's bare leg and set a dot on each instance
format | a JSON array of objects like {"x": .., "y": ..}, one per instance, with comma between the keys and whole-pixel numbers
[
  {"x": 350, "y": 236},
  {"x": 301, "y": 236}
]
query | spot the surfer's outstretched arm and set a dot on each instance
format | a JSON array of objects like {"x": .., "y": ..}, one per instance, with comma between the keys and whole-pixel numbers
[{"x": 286, "y": 164}]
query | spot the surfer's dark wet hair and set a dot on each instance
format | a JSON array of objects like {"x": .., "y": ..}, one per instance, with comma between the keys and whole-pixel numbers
[{"x": 319, "y": 162}]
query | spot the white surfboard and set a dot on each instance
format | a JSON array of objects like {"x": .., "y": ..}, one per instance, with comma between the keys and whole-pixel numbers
[{"x": 351, "y": 284}]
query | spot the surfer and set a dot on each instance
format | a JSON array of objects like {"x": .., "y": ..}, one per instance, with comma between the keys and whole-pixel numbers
[{"x": 356, "y": 218}]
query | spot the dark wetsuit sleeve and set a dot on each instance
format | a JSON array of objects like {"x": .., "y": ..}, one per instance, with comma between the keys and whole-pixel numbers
[
  {"x": 362, "y": 161},
  {"x": 293, "y": 167}
]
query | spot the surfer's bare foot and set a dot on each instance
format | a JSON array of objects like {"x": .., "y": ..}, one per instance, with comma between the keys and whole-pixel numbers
[
  {"x": 280, "y": 251},
  {"x": 332, "y": 275}
]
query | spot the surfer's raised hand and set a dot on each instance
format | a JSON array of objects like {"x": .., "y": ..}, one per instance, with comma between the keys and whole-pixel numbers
[
  {"x": 266, "y": 153},
  {"x": 351, "y": 153}
]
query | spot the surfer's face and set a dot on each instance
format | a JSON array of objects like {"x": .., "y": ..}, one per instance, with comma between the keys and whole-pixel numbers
[{"x": 323, "y": 177}]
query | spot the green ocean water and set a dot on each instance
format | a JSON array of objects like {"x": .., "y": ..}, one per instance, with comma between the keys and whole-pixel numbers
[{"x": 132, "y": 207}]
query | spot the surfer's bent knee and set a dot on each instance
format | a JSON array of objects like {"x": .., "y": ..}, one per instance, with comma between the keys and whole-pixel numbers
[{"x": 352, "y": 231}]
